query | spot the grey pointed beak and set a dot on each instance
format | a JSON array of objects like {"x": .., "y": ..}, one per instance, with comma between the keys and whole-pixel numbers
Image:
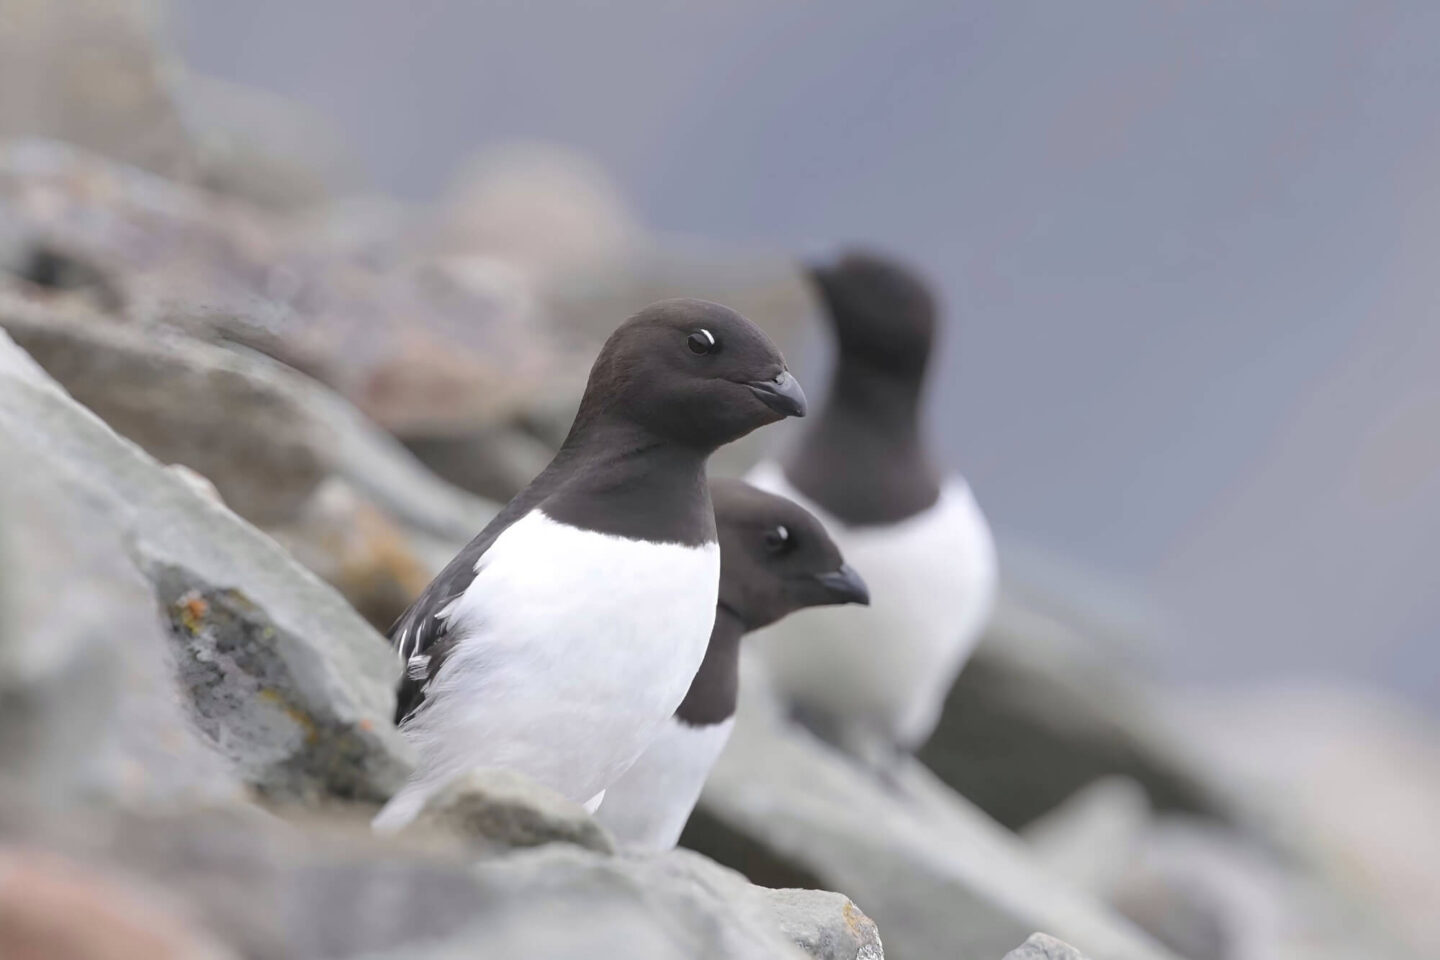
[
  {"x": 783, "y": 394},
  {"x": 845, "y": 586}
]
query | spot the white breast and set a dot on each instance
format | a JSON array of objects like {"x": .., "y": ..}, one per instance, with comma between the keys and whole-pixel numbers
[
  {"x": 575, "y": 647},
  {"x": 883, "y": 671},
  {"x": 648, "y": 806}
]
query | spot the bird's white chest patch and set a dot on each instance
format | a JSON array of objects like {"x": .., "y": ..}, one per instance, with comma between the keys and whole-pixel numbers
[
  {"x": 573, "y": 648},
  {"x": 888, "y": 666},
  {"x": 647, "y": 807}
]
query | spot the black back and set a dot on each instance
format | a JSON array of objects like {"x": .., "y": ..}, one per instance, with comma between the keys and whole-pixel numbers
[
  {"x": 772, "y": 554},
  {"x": 862, "y": 457},
  {"x": 633, "y": 464}
]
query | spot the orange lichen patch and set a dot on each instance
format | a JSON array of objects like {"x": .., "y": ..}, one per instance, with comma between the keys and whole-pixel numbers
[{"x": 191, "y": 610}]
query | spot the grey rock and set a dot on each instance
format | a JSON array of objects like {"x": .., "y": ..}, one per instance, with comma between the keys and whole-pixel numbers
[
  {"x": 1042, "y": 946},
  {"x": 281, "y": 449},
  {"x": 499, "y": 807},
  {"x": 1207, "y": 891},
  {"x": 276, "y": 672},
  {"x": 185, "y": 402},
  {"x": 307, "y": 889},
  {"x": 825, "y": 925},
  {"x": 938, "y": 876},
  {"x": 1042, "y": 709},
  {"x": 410, "y": 348},
  {"x": 116, "y": 99}
]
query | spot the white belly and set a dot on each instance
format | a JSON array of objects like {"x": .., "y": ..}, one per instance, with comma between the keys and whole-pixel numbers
[
  {"x": 883, "y": 671},
  {"x": 577, "y": 646},
  {"x": 648, "y": 806}
]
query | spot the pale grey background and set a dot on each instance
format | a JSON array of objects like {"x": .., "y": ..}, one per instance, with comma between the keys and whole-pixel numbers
[{"x": 1190, "y": 250}]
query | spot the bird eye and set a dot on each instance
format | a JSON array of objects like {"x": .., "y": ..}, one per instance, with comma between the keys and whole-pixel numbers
[
  {"x": 777, "y": 540},
  {"x": 703, "y": 341}
]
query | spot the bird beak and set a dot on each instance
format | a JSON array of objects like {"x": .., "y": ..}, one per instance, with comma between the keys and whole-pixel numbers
[
  {"x": 845, "y": 586},
  {"x": 783, "y": 394}
]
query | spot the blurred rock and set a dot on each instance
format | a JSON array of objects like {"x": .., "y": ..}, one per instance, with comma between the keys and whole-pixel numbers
[
  {"x": 538, "y": 205},
  {"x": 52, "y": 909},
  {"x": 259, "y": 147},
  {"x": 1344, "y": 780},
  {"x": 399, "y": 338},
  {"x": 503, "y": 808},
  {"x": 1205, "y": 890},
  {"x": 1042, "y": 710},
  {"x": 1091, "y": 840},
  {"x": 93, "y": 73},
  {"x": 276, "y": 673},
  {"x": 281, "y": 449},
  {"x": 185, "y": 402},
  {"x": 1043, "y": 947},
  {"x": 939, "y": 877},
  {"x": 308, "y": 889}
]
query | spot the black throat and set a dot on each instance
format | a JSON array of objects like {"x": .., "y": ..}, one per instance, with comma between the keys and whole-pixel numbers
[
  {"x": 615, "y": 477},
  {"x": 862, "y": 458},
  {"x": 713, "y": 692}
]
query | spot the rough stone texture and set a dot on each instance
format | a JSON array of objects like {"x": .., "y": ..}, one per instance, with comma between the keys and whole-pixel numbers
[
  {"x": 309, "y": 715},
  {"x": 498, "y": 807},
  {"x": 1041, "y": 710},
  {"x": 939, "y": 877},
  {"x": 301, "y": 890},
  {"x": 825, "y": 924},
  {"x": 185, "y": 402},
  {"x": 282, "y": 450},
  {"x": 397, "y": 337},
  {"x": 1042, "y": 946}
]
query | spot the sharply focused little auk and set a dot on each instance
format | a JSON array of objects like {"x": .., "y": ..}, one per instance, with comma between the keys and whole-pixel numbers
[
  {"x": 562, "y": 637},
  {"x": 775, "y": 558},
  {"x": 873, "y": 681}
]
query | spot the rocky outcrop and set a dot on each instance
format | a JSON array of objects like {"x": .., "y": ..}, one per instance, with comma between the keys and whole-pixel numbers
[
  {"x": 274, "y": 671},
  {"x": 1043, "y": 947},
  {"x": 939, "y": 877},
  {"x": 1043, "y": 709},
  {"x": 158, "y": 654}
]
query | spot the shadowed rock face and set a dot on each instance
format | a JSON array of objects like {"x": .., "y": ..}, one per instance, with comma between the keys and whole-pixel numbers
[{"x": 939, "y": 877}]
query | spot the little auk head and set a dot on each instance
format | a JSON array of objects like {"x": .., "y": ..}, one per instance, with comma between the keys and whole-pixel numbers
[
  {"x": 690, "y": 373},
  {"x": 882, "y": 313},
  {"x": 775, "y": 558}
]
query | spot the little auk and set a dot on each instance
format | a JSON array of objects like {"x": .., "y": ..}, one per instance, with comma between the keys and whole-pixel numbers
[
  {"x": 775, "y": 558},
  {"x": 873, "y": 681},
  {"x": 562, "y": 638}
]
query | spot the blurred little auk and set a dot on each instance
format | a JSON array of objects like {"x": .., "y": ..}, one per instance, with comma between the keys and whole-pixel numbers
[
  {"x": 562, "y": 638},
  {"x": 873, "y": 681},
  {"x": 775, "y": 558}
]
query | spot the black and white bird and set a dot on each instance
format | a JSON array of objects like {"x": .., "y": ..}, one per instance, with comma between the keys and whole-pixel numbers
[
  {"x": 873, "y": 681},
  {"x": 563, "y": 636},
  {"x": 775, "y": 558}
]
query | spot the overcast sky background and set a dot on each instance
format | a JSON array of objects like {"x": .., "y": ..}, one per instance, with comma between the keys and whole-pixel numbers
[{"x": 1189, "y": 251}]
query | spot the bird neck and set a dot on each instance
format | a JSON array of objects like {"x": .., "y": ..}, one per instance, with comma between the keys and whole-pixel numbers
[
  {"x": 864, "y": 459},
  {"x": 715, "y": 689},
  {"x": 616, "y": 477}
]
